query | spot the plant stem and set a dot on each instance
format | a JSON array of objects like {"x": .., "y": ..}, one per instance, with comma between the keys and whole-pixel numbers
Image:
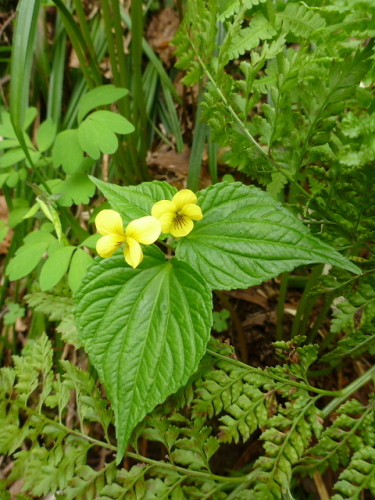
[
  {"x": 264, "y": 153},
  {"x": 94, "y": 65},
  {"x": 136, "y": 456},
  {"x": 124, "y": 103},
  {"x": 281, "y": 305},
  {"x": 139, "y": 108},
  {"x": 319, "y": 320},
  {"x": 348, "y": 391},
  {"x": 78, "y": 42},
  {"x": 304, "y": 307},
  {"x": 237, "y": 323},
  {"x": 273, "y": 376},
  {"x": 122, "y": 157}
]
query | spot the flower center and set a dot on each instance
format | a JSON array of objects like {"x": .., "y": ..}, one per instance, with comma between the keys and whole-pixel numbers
[{"x": 179, "y": 221}]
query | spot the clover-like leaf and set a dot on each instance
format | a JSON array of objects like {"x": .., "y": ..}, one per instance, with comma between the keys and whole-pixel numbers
[
  {"x": 76, "y": 188},
  {"x": 67, "y": 151},
  {"x": 100, "y": 96},
  {"x": 97, "y": 133},
  {"x": 145, "y": 331}
]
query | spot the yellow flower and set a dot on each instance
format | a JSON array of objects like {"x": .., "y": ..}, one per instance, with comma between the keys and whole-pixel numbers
[
  {"x": 109, "y": 224},
  {"x": 176, "y": 216}
]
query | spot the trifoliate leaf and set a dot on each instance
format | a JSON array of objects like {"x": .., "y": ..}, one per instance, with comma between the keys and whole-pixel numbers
[
  {"x": 67, "y": 151},
  {"x": 246, "y": 237},
  {"x": 76, "y": 188},
  {"x": 97, "y": 133},
  {"x": 145, "y": 331},
  {"x": 78, "y": 266},
  {"x": 100, "y": 96},
  {"x": 133, "y": 202},
  {"x": 11, "y": 157},
  {"x": 55, "y": 267},
  {"x": 46, "y": 135},
  {"x": 28, "y": 256}
]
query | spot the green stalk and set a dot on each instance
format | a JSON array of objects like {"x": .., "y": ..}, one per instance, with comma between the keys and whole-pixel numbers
[
  {"x": 78, "y": 43},
  {"x": 348, "y": 391},
  {"x": 153, "y": 58},
  {"x": 319, "y": 320},
  {"x": 124, "y": 103},
  {"x": 136, "y": 456},
  {"x": 123, "y": 72},
  {"x": 213, "y": 148},
  {"x": 94, "y": 65},
  {"x": 281, "y": 306},
  {"x": 57, "y": 74},
  {"x": 310, "y": 303},
  {"x": 303, "y": 308},
  {"x": 139, "y": 109},
  {"x": 121, "y": 157},
  {"x": 273, "y": 376},
  {"x": 264, "y": 153},
  {"x": 110, "y": 40},
  {"x": 237, "y": 323}
]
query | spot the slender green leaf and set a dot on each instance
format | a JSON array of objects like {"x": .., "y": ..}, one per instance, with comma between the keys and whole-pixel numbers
[
  {"x": 22, "y": 58},
  {"x": 199, "y": 142}
]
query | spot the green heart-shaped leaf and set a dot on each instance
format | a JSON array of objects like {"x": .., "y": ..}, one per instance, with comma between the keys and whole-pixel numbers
[
  {"x": 246, "y": 237},
  {"x": 133, "y": 202},
  {"x": 145, "y": 331}
]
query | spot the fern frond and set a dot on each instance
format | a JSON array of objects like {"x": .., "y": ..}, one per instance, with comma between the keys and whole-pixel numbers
[
  {"x": 57, "y": 308},
  {"x": 354, "y": 344},
  {"x": 196, "y": 35},
  {"x": 299, "y": 20},
  {"x": 248, "y": 38},
  {"x": 348, "y": 433},
  {"x": 45, "y": 471},
  {"x": 285, "y": 440},
  {"x": 36, "y": 359},
  {"x": 231, "y": 7},
  {"x": 90, "y": 404},
  {"x": 247, "y": 414},
  {"x": 358, "y": 476},
  {"x": 90, "y": 483}
]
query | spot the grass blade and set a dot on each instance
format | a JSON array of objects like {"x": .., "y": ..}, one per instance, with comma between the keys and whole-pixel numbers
[
  {"x": 195, "y": 163},
  {"x": 22, "y": 58},
  {"x": 154, "y": 60},
  {"x": 57, "y": 74}
]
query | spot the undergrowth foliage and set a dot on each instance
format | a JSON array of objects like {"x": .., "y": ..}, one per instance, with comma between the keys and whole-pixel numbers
[
  {"x": 286, "y": 91},
  {"x": 276, "y": 401}
]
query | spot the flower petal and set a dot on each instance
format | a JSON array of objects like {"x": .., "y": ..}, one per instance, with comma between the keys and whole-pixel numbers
[
  {"x": 133, "y": 252},
  {"x": 181, "y": 227},
  {"x": 145, "y": 230},
  {"x": 163, "y": 207},
  {"x": 166, "y": 222},
  {"x": 192, "y": 211},
  {"x": 108, "y": 245},
  {"x": 184, "y": 197},
  {"x": 109, "y": 222}
]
